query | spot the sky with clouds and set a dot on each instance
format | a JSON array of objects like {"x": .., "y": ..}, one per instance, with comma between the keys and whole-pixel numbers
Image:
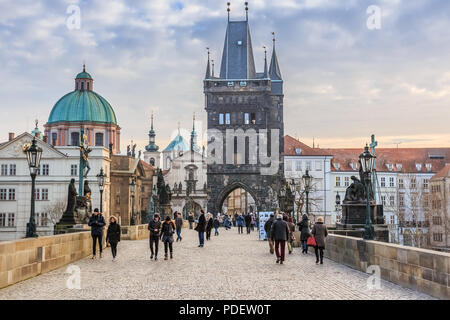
[{"x": 343, "y": 82}]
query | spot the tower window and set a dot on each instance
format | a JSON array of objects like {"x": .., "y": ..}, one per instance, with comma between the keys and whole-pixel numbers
[
  {"x": 75, "y": 138},
  {"x": 82, "y": 86},
  {"x": 221, "y": 118},
  {"x": 227, "y": 118},
  {"x": 99, "y": 139},
  {"x": 152, "y": 161},
  {"x": 246, "y": 118},
  {"x": 54, "y": 138},
  {"x": 87, "y": 85}
]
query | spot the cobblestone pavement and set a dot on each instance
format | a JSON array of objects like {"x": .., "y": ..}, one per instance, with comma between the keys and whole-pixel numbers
[{"x": 230, "y": 266}]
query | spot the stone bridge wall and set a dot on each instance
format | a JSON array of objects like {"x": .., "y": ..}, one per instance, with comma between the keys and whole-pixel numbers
[
  {"x": 423, "y": 270},
  {"x": 26, "y": 258}
]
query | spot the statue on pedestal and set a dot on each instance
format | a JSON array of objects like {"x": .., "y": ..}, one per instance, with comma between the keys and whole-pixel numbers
[{"x": 355, "y": 193}]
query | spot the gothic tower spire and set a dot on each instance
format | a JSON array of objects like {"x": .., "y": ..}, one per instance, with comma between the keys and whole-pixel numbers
[
  {"x": 208, "y": 69},
  {"x": 152, "y": 147}
]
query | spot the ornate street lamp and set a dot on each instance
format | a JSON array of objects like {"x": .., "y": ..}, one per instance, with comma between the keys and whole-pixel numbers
[
  {"x": 367, "y": 162},
  {"x": 34, "y": 154},
  {"x": 307, "y": 179},
  {"x": 101, "y": 183},
  {"x": 132, "y": 191}
]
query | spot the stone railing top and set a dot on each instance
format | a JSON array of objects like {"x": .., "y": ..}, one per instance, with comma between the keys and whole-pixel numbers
[
  {"x": 394, "y": 245},
  {"x": 44, "y": 237}
]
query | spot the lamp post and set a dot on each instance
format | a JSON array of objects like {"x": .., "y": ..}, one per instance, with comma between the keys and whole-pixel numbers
[
  {"x": 293, "y": 188},
  {"x": 132, "y": 191},
  {"x": 307, "y": 182},
  {"x": 282, "y": 198},
  {"x": 367, "y": 162},
  {"x": 101, "y": 183},
  {"x": 34, "y": 154}
]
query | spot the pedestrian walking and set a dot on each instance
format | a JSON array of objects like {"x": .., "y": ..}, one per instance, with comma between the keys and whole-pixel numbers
[
  {"x": 216, "y": 225},
  {"x": 320, "y": 232},
  {"x": 248, "y": 221},
  {"x": 252, "y": 222},
  {"x": 291, "y": 238},
  {"x": 191, "y": 220},
  {"x": 167, "y": 231},
  {"x": 97, "y": 223},
  {"x": 113, "y": 235},
  {"x": 267, "y": 228},
  {"x": 209, "y": 226},
  {"x": 201, "y": 227},
  {"x": 154, "y": 227},
  {"x": 280, "y": 234},
  {"x": 226, "y": 222},
  {"x": 178, "y": 224},
  {"x": 235, "y": 217},
  {"x": 304, "y": 233},
  {"x": 240, "y": 223}
]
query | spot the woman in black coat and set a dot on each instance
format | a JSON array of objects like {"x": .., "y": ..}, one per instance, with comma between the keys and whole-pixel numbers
[
  {"x": 167, "y": 231},
  {"x": 304, "y": 232},
  {"x": 209, "y": 226},
  {"x": 113, "y": 235},
  {"x": 201, "y": 227}
]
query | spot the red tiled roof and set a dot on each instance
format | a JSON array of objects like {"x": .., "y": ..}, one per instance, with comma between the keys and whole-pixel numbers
[
  {"x": 443, "y": 173},
  {"x": 291, "y": 144},
  {"x": 407, "y": 157}
]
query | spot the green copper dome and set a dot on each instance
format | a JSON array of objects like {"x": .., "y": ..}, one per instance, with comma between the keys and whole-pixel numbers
[
  {"x": 83, "y": 75},
  {"x": 82, "y": 106}
]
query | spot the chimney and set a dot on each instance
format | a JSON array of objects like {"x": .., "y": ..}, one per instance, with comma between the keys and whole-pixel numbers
[
  {"x": 46, "y": 139},
  {"x": 11, "y": 136}
]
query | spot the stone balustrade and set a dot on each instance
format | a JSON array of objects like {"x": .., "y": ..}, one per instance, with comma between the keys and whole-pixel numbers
[
  {"x": 26, "y": 258},
  {"x": 423, "y": 270}
]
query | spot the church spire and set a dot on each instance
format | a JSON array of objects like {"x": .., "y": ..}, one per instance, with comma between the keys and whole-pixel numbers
[
  {"x": 193, "y": 134},
  {"x": 152, "y": 147},
  {"x": 274, "y": 70},
  {"x": 208, "y": 69},
  {"x": 265, "y": 75}
]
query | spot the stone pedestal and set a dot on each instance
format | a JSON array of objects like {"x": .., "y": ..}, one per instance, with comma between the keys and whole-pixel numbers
[
  {"x": 354, "y": 215},
  {"x": 166, "y": 210},
  {"x": 79, "y": 216}
]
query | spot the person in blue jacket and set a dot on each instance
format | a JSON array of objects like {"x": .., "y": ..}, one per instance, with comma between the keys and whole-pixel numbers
[{"x": 240, "y": 223}]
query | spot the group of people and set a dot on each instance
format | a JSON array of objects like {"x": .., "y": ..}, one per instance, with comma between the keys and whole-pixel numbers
[
  {"x": 280, "y": 231},
  {"x": 204, "y": 225},
  {"x": 164, "y": 231},
  {"x": 97, "y": 223},
  {"x": 248, "y": 220}
]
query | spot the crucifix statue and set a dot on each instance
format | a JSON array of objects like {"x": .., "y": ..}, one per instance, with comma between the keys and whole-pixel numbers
[
  {"x": 373, "y": 144},
  {"x": 84, "y": 160}
]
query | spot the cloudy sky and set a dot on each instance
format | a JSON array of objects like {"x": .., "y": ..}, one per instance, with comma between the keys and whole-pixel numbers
[{"x": 343, "y": 81}]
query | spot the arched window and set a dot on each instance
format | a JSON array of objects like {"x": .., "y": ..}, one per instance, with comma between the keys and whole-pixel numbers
[
  {"x": 82, "y": 85},
  {"x": 87, "y": 85},
  {"x": 168, "y": 163},
  {"x": 99, "y": 139},
  {"x": 152, "y": 161}
]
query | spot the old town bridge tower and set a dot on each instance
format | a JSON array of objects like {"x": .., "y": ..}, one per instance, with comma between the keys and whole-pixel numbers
[{"x": 240, "y": 99}]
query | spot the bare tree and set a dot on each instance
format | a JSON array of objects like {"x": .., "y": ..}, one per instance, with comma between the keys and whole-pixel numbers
[
  {"x": 55, "y": 211},
  {"x": 314, "y": 202}
]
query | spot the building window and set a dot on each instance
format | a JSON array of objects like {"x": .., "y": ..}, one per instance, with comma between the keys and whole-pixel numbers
[
  {"x": 426, "y": 183},
  {"x": 383, "y": 182},
  {"x": 3, "y": 193},
  {"x": 12, "y": 169},
  {"x": 11, "y": 220},
  {"x": 12, "y": 194},
  {"x": 392, "y": 219},
  {"x": 318, "y": 166},
  {"x": 117, "y": 200},
  {"x": 221, "y": 118},
  {"x": 45, "y": 169},
  {"x": 392, "y": 201},
  {"x": 288, "y": 166},
  {"x": 401, "y": 185},
  {"x": 338, "y": 181},
  {"x": 298, "y": 166},
  {"x": 437, "y": 221},
  {"x": 383, "y": 200},
  {"x": 37, "y": 193},
  {"x": 4, "y": 169},
  {"x": 42, "y": 219},
  {"x": 246, "y": 118},
  {"x": 227, "y": 118},
  {"x": 413, "y": 183},
  {"x": 75, "y": 138},
  {"x": 401, "y": 200},
  {"x": 44, "y": 194},
  {"x": 3, "y": 217},
  {"x": 308, "y": 165},
  {"x": 54, "y": 138},
  {"x": 99, "y": 139},
  {"x": 391, "y": 182},
  {"x": 437, "y": 237},
  {"x": 346, "y": 181},
  {"x": 152, "y": 161},
  {"x": 74, "y": 170}
]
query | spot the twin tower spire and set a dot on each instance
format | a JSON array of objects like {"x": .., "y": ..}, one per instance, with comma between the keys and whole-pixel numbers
[{"x": 237, "y": 56}]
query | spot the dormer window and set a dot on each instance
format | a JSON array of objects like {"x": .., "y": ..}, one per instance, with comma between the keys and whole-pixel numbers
[
  {"x": 336, "y": 165},
  {"x": 399, "y": 166},
  {"x": 418, "y": 166},
  {"x": 390, "y": 166},
  {"x": 298, "y": 151},
  {"x": 428, "y": 166},
  {"x": 353, "y": 165}
]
